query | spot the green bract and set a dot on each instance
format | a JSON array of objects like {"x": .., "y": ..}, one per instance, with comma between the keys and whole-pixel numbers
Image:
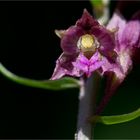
[{"x": 60, "y": 84}]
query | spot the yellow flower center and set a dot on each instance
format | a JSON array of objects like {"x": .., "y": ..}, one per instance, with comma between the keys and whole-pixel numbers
[
  {"x": 87, "y": 41},
  {"x": 88, "y": 44}
]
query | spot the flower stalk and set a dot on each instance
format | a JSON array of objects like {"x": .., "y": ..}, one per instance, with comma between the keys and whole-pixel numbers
[{"x": 87, "y": 99}]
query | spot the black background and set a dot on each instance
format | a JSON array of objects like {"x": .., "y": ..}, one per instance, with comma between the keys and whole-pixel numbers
[{"x": 29, "y": 48}]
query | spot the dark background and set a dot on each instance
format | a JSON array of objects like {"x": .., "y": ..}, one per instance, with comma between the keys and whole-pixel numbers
[{"x": 29, "y": 48}]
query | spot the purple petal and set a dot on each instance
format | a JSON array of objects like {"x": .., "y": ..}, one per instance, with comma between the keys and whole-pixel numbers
[
  {"x": 88, "y": 66},
  {"x": 122, "y": 66},
  {"x": 118, "y": 23},
  {"x": 95, "y": 62},
  {"x": 64, "y": 66},
  {"x": 131, "y": 33},
  {"x": 69, "y": 40},
  {"x": 136, "y": 16},
  {"x": 125, "y": 61},
  {"x": 82, "y": 63},
  {"x": 105, "y": 38},
  {"x": 86, "y": 21}
]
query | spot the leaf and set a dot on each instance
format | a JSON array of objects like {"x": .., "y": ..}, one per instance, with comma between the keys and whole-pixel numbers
[
  {"x": 115, "y": 119},
  {"x": 60, "y": 84}
]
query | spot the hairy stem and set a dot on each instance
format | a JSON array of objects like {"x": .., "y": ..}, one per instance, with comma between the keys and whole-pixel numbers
[{"x": 86, "y": 110}]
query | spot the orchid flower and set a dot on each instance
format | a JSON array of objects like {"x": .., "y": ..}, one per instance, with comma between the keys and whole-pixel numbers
[
  {"x": 88, "y": 46},
  {"x": 84, "y": 46},
  {"x": 127, "y": 39}
]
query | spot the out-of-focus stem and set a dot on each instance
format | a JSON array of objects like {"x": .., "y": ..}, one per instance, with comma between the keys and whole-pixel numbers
[
  {"x": 101, "y": 11},
  {"x": 86, "y": 109}
]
